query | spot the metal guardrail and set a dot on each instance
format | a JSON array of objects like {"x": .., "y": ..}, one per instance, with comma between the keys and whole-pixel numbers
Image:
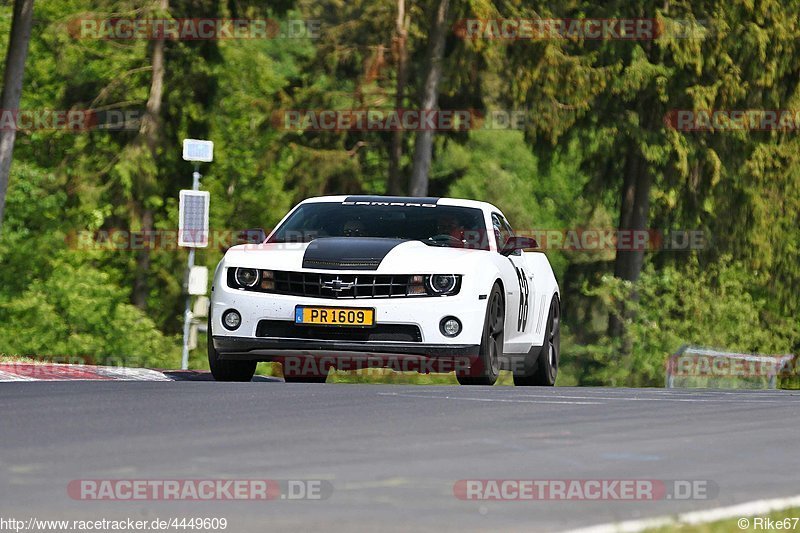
[{"x": 699, "y": 362}]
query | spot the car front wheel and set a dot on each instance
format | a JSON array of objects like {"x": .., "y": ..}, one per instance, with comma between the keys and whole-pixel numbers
[{"x": 487, "y": 368}]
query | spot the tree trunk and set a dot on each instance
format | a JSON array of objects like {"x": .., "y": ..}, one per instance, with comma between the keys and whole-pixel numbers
[
  {"x": 140, "y": 285},
  {"x": 423, "y": 145},
  {"x": 639, "y": 219},
  {"x": 149, "y": 136},
  {"x": 622, "y": 260},
  {"x": 395, "y": 184},
  {"x": 12, "y": 87},
  {"x": 633, "y": 217}
]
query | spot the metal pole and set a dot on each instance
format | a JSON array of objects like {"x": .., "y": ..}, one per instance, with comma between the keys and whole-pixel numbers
[{"x": 187, "y": 314}]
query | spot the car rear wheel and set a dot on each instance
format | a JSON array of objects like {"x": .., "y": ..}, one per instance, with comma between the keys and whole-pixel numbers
[
  {"x": 487, "y": 367},
  {"x": 224, "y": 370},
  {"x": 547, "y": 362}
]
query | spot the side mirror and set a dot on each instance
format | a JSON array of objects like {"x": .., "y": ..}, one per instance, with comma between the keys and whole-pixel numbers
[
  {"x": 252, "y": 236},
  {"x": 248, "y": 236},
  {"x": 518, "y": 243}
]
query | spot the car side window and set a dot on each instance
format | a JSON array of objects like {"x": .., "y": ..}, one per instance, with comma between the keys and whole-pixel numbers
[
  {"x": 507, "y": 227},
  {"x": 502, "y": 231}
]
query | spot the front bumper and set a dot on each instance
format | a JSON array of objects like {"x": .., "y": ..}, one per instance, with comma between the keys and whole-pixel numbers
[
  {"x": 306, "y": 357},
  {"x": 424, "y": 313},
  {"x": 268, "y": 349}
]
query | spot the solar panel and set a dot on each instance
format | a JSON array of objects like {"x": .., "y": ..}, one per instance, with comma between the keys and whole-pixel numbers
[
  {"x": 196, "y": 150},
  {"x": 193, "y": 219}
]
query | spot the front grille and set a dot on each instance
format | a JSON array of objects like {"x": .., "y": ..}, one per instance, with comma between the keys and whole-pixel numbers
[
  {"x": 379, "y": 332},
  {"x": 339, "y": 285}
]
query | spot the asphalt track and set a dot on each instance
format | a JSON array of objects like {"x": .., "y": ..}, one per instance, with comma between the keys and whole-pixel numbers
[{"x": 391, "y": 453}]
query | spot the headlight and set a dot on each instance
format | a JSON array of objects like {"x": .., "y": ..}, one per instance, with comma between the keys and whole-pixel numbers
[
  {"x": 442, "y": 283},
  {"x": 246, "y": 277},
  {"x": 251, "y": 279}
]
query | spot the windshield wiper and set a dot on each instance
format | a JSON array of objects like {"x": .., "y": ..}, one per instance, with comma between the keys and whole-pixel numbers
[{"x": 429, "y": 242}]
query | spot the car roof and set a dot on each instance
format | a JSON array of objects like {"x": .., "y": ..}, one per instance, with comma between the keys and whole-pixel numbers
[{"x": 462, "y": 202}]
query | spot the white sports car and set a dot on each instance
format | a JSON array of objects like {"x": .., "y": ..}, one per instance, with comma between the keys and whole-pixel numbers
[{"x": 427, "y": 284}]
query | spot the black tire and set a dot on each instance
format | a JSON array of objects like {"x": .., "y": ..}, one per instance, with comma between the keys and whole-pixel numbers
[
  {"x": 224, "y": 370},
  {"x": 487, "y": 368},
  {"x": 547, "y": 361}
]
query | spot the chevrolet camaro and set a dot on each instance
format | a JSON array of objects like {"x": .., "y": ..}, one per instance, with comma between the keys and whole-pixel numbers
[{"x": 426, "y": 284}]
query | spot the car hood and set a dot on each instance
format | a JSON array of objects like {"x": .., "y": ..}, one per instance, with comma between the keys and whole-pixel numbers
[{"x": 356, "y": 254}]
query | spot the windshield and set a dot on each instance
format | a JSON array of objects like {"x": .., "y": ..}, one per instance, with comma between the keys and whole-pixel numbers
[{"x": 452, "y": 226}]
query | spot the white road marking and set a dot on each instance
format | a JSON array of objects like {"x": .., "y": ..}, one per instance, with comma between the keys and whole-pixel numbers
[
  {"x": 131, "y": 374},
  {"x": 110, "y": 372},
  {"x": 378, "y": 484},
  {"x": 502, "y": 400},
  {"x": 635, "y": 399},
  {"x": 8, "y": 376},
  {"x": 743, "y": 510},
  {"x": 603, "y": 398}
]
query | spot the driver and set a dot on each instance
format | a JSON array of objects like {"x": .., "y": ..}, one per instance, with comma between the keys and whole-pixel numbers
[
  {"x": 354, "y": 228},
  {"x": 450, "y": 225}
]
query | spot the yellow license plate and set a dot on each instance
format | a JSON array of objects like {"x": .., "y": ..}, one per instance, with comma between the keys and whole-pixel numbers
[{"x": 334, "y": 316}]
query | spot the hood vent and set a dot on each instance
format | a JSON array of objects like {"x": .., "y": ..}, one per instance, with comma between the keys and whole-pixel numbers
[{"x": 348, "y": 253}]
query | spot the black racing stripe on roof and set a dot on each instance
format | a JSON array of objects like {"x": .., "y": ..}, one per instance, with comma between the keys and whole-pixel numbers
[{"x": 394, "y": 199}]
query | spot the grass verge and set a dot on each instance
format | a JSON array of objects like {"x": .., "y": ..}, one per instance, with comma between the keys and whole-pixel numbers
[
  {"x": 18, "y": 359},
  {"x": 787, "y": 517}
]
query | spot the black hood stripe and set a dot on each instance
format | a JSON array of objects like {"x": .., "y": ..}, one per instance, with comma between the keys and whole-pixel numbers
[{"x": 348, "y": 253}]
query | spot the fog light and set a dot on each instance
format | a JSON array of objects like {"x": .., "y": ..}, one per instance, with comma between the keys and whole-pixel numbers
[
  {"x": 231, "y": 319},
  {"x": 450, "y": 326}
]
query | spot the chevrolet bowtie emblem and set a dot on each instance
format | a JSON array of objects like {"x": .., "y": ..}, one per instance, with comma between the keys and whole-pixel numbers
[{"x": 337, "y": 285}]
